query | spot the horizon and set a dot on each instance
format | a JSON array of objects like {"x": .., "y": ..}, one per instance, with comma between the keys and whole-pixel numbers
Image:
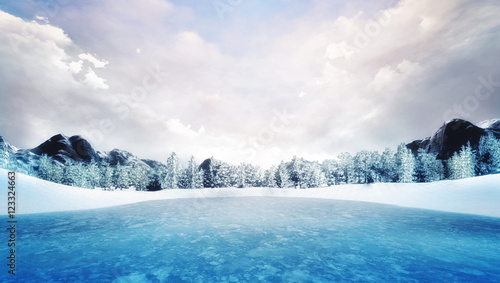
[
  {"x": 184, "y": 161},
  {"x": 245, "y": 81}
]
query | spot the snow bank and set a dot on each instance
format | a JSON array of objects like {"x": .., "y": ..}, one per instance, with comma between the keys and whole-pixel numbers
[{"x": 479, "y": 195}]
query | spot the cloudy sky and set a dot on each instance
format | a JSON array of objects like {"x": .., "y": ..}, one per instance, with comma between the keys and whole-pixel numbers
[{"x": 245, "y": 80}]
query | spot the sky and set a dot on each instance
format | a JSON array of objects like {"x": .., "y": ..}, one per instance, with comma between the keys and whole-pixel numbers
[{"x": 245, "y": 80}]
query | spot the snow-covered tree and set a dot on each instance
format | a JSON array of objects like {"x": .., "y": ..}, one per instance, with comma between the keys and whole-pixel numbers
[
  {"x": 75, "y": 174},
  {"x": 191, "y": 177},
  {"x": 428, "y": 168},
  {"x": 375, "y": 169},
  {"x": 106, "y": 175},
  {"x": 209, "y": 168},
  {"x": 44, "y": 167},
  {"x": 313, "y": 177},
  {"x": 462, "y": 164},
  {"x": 121, "y": 178},
  {"x": 388, "y": 172},
  {"x": 283, "y": 176},
  {"x": 56, "y": 173},
  {"x": 331, "y": 171},
  {"x": 346, "y": 165},
  {"x": 155, "y": 178},
  {"x": 49, "y": 170},
  {"x": 93, "y": 174},
  {"x": 224, "y": 175},
  {"x": 248, "y": 175},
  {"x": 269, "y": 179},
  {"x": 4, "y": 156},
  {"x": 171, "y": 180},
  {"x": 139, "y": 177},
  {"x": 405, "y": 162},
  {"x": 488, "y": 155},
  {"x": 297, "y": 169},
  {"x": 361, "y": 163}
]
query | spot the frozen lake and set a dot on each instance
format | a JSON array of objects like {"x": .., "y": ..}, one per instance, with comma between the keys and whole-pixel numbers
[{"x": 252, "y": 239}]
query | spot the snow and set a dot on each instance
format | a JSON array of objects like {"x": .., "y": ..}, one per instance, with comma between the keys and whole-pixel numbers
[
  {"x": 478, "y": 195},
  {"x": 487, "y": 123}
]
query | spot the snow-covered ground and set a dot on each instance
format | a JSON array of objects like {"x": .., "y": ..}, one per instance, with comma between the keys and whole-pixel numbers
[{"x": 479, "y": 195}]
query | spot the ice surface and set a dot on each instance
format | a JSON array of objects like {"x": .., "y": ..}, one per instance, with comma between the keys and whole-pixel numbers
[{"x": 256, "y": 239}]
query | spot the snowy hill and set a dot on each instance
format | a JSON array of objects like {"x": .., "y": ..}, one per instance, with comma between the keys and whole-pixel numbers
[{"x": 479, "y": 195}]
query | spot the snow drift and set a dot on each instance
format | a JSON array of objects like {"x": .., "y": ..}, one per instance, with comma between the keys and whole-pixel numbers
[{"x": 478, "y": 195}]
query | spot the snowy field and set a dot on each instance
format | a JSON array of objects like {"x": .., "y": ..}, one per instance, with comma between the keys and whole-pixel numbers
[
  {"x": 479, "y": 195},
  {"x": 67, "y": 234}
]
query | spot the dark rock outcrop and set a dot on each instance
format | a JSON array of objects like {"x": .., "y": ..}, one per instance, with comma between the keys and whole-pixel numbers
[
  {"x": 64, "y": 149},
  {"x": 452, "y": 136}
]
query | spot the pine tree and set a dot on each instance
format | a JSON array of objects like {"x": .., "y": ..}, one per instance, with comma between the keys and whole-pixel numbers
[
  {"x": 346, "y": 164},
  {"x": 269, "y": 179},
  {"x": 4, "y": 156},
  {"x": 49, "y": 170},
  {"x": 75, "y": 174},
  {"x": 388, "y": 166},
  {"x": 121, "y": 177},
  {"x": 138, "y": 177},
  {"x": 314, "y": 177},
  {"x": 428, "y": 168},
  {"x": 198, "y": 180},
  {"x": 93, "y": 174},
  {"x": 297, "y": 169},
  {"x": 44, "y": 167},
  {"x": 81, "y": 178},
  {"x": 462, "y": 164},
  {"x": 374, "y": 167},
  {"x": 209, "y": 173},
  {"x": 488, "y": 155},
  {"x": 56, "y": 173},
  {"x": 361, "y": 166},
  {"x": 331, "y": 171},
  {"x": 223, "y": 175},
  {"x": 171, "y": 180},
  {"x": 106, "y": 176},
  {"x": 242, "y": 176},
  {"x": 405, "y": 162},
  {"x": 155, "y": 177},
  {"x": 190, "y": 174},
  {"x": 283, "y": 176}
]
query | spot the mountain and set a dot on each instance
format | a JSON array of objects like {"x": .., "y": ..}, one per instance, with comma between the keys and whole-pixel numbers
[
  {"x": 65, "y": 149},
  {"x": 126, "y": 158},
  {"x": 454, "y": 134},
  {"x": 7, "y": 146}
]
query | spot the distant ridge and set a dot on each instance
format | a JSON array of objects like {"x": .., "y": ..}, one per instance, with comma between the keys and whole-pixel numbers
[
  {"x": 454, "y": 134},
  {"x": 447, "y": 140},
  {"x": 65, "y": 149}
]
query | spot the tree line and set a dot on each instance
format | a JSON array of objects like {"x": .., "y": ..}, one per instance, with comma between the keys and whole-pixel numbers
[{"x": 364, "y": 167}]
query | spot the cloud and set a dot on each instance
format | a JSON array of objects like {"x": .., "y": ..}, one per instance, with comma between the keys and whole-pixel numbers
[
  {"x": 96, "y": 62},
  {"x": 95, "y": 81},
  {"x": 146, "y": 75},
  {"x": 40, "y": 93}
]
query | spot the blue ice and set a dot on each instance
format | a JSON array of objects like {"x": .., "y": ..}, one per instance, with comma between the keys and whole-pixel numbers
[{"x": 255, "y": 239}]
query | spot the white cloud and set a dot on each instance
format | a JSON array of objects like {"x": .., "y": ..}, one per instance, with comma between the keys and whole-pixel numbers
[
  {"x": 76, "y": 66},
  {"x": 92, "y": 59},
  {"x": 398, "y": 75},
  {"x": 94, "y": 81}
]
